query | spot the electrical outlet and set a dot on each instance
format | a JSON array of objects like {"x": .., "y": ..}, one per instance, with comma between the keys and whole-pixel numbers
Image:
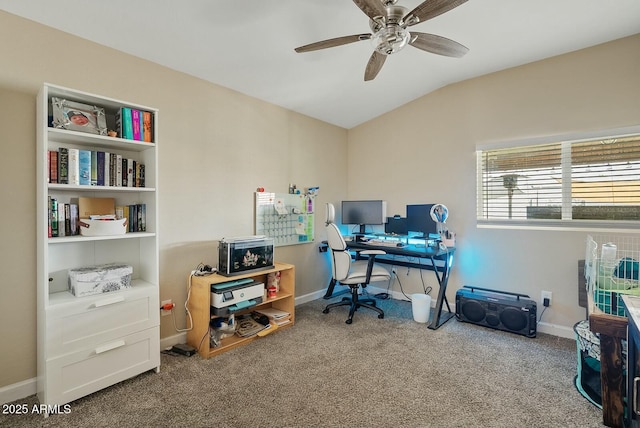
[
  {"x": 165, "y": 302},
  {"x": 546, "y": 295}
]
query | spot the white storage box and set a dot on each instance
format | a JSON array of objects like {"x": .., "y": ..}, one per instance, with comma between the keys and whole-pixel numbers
[
  {"x": 103, "y": 227},
  {"x": 99, "y": 279}
]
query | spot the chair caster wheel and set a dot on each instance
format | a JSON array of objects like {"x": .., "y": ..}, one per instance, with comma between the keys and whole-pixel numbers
[
  {"x": 326, "y": 311},
  {"x": 348, "y": 321},
  {"x": 380, "y": 316}
]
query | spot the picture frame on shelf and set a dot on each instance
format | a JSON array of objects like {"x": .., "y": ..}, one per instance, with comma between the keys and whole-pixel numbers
[{"x": 79, "y": 117}]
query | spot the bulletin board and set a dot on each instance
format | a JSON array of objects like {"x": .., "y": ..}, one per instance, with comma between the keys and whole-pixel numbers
[{"x": 287, "y": 218}]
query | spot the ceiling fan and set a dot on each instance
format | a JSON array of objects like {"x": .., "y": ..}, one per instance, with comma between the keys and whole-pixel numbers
[{"x": 388, "y": 23}]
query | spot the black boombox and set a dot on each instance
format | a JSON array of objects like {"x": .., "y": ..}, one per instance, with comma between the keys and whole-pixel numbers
[{"x": 497, "y": 309}]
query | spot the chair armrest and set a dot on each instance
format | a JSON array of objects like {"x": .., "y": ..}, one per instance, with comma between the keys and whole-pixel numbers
[{"x": 372, "y": 255}]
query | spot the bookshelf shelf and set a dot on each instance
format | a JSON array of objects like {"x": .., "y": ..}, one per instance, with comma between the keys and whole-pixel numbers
[
  {"x": 200, "y": 307},
  {"x": 78, "y": 188},
  {"x": 79, "y": 334},
  {"x": 65, "y": 136},
  {"x": 80, "y": 238}
]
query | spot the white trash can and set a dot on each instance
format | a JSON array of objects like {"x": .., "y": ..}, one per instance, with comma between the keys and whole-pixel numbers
[{"x": 421, "y": 306}]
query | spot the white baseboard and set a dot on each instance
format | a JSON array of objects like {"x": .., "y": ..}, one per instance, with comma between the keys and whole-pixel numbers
[
  {"x": 168, "y": 342},
  {"x": 556, "y": 330},
  {"x": 309, "y": 297},
  {"x": 18, "y": 390}
]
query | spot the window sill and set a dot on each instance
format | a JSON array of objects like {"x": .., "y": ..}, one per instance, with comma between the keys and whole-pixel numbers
[{"x": 563, "y": 225}]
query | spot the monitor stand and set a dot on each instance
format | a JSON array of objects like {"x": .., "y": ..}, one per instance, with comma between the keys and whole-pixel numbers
[{"x": 361, "y": 233}]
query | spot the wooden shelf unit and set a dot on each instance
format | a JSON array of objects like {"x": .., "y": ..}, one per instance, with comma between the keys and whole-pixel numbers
[{"x": 200, "y": 306}]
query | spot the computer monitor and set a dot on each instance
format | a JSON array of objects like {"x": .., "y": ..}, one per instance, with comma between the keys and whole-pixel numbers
[
  {"x": 419, "y": 220},
  {"x": 396, "y": 225},
  {"x": 364, "y": 213}
]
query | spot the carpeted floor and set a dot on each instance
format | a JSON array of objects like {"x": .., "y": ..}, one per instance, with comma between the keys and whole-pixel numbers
[{"x": 373, "y": 373}]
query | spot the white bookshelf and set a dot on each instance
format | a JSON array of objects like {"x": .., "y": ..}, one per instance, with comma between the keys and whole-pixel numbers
[{"x": 88, "y": 343}]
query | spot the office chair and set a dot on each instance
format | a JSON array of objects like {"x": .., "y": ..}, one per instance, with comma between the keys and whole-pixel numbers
[{"x": 355, "y": 274}]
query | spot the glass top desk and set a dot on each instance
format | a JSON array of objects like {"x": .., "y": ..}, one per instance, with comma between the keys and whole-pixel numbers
[{"x": 438, "y": 260}]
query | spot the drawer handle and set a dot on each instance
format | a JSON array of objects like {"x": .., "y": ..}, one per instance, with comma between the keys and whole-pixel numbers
[
  {"x": 102, "y": 303},
  {"x": 109, "y": 347}
]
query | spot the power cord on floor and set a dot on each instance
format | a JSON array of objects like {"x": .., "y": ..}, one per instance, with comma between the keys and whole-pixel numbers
[{"x": 541, "y": 313}]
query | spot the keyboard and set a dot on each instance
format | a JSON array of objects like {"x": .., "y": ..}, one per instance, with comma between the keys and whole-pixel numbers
[{"x": 382, "y": 242}]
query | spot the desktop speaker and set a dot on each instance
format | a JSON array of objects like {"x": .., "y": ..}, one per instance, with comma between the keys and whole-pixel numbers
[{"x": 497, "y": 309}]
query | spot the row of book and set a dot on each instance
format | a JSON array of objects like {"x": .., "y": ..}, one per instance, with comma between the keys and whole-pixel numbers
[
  {"x": 64, "y": 218},
  {"x": 134, "y": 124},
  {"x": 94, "y": 168}
]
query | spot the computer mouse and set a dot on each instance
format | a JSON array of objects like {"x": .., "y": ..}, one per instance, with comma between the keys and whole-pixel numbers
[{"x": 399, "y": 244}]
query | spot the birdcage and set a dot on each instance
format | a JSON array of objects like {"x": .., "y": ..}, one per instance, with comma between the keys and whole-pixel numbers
[{"x": 611, "y": 270}]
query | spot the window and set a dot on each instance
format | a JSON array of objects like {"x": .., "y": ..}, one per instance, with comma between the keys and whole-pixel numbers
[{"x": 592, "y": 179}]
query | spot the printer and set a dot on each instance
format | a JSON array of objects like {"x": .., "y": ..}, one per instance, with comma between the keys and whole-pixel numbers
[{"x": 230, "y": 297}]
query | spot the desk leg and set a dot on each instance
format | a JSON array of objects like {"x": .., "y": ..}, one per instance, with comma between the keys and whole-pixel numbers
[{"x": 438, "y": 317}]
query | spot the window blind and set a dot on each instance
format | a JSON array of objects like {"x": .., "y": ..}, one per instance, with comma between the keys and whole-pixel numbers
[{"x": 597, "y": 179}]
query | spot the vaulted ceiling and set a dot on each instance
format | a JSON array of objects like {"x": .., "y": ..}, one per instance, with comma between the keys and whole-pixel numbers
[{"x": 248, "y": 45}]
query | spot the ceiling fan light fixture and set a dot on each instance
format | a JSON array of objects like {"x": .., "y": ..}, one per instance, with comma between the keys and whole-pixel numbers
[{"x": 388, "y": 40}]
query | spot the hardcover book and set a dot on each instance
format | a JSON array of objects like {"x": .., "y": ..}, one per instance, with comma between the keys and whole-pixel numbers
[
  {"x": 119, "y": 170},
  {"x": 67, "y": 219},
  {"x": 107, "y": 178},
  {"x": 63, "y": 165},
  {"x": 141, "y": 178},
  {"x": 100, "y": 168},
  {"x": 49, "y": 232},
  {"x": 84, "y": 162},
  {"x": 142, "y": 217},
  {"x": 130, "y": 173},
  {"x": 123, "y": 117},
  {"x": 73, "y": 219},
  {"x": 54, "y": 217},
  {"x": 135, "y": 123},
  {"x": 112, "y": 169},
  {"x": 53, "y": 166},
  {"x": 94, "y": 168},
  {"x": 124, "y": 169},
  {"x": 74, "y": 166},
  {"x": 61, "y": 220},
  {"x": 146, "y": 126}
]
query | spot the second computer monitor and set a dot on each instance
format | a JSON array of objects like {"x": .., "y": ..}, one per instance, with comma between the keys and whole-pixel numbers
[
  {"x": 364, "y": 213},
  {"x": 419, "y": 220}
]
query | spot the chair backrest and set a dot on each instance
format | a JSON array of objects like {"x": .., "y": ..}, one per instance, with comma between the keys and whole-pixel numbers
[
  {"x": 330, "y": 214},
  {"x": 340, "y": 257}
]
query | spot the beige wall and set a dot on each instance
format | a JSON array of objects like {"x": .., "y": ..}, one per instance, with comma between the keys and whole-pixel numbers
[
  {"x": 427, "y": 150},
  {"x": 215, "y": 147}
]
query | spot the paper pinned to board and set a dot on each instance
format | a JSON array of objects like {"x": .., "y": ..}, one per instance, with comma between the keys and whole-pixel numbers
[{"x": 280, "y": 206}]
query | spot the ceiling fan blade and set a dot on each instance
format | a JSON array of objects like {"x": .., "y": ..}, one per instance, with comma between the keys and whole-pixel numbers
[
  {"x": 330, "y": 43},
  {"x": 376, "y": 61},
  {"x": 372, "y": 8},
  {"x": 437, "y": 45},
  {"x": 430, "y": 9}
]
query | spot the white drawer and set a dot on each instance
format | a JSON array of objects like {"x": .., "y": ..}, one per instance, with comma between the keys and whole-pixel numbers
[
  {"x": 97, "y": 319},
  {"x": 84, "y": 372}
]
